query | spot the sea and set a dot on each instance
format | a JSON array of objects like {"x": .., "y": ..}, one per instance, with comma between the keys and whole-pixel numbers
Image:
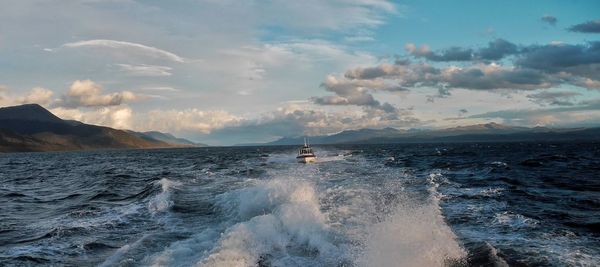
[{"x": 470, "y": 204}]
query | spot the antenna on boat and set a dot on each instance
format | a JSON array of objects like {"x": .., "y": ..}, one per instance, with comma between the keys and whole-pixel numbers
[{"x": 305, "y": 143}]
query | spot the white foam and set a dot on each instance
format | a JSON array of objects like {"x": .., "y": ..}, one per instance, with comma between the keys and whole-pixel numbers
[
  {"x": 162, "y": 201},
  {"x": 328, "y": 156},
  {"x": 514, "y": 220},
  {"x": 499, "y": 164}
]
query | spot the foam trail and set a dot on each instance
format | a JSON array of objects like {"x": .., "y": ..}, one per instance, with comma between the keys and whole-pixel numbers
[{"x": 162, "y": 201}]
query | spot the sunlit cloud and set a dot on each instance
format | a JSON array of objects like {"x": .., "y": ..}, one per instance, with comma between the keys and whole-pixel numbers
[{"x": 86, "y": 93}]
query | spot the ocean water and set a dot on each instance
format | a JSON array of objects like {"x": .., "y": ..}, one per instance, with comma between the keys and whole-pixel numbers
[{"x": 514, "y": 204}]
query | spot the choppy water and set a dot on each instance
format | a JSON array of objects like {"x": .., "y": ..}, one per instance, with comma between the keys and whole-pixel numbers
[{"x": 385, "y": 205}]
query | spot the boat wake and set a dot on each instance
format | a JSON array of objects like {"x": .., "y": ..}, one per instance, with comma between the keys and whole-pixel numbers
[{"x": 303, "y": 216}]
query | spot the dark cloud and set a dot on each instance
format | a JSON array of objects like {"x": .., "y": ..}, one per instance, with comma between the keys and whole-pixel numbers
[
  {"x": 357, "y": 92},
  {"x": 494, "y": 77},
  {"x": 579, "y": 60},
  {"x": 480, "y": 76},
  {"x": 592, "y": 26},
  {"x": 535, "y": 67},
  {"x": 527, "y": 68},
  {"x": 362, "y": 99},
  {"x": 372, "y": 72},
  {"x": 402, "y": 61},
  {"x": 443, "y": 92},
  {"x": 461, "y": 113},
  {"x": 497, "y": 49},
  {"x": 564, "y": 98},
  {"x": 450, "y": 54},
  {"x": 408, "y": 75},
  {"x": 549, "y": 19}
]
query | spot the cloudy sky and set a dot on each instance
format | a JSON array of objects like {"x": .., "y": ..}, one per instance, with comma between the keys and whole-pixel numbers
[{"x": 226, "y": 72}]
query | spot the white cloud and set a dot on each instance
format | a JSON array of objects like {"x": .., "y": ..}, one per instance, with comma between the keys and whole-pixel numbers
[
  {"x": 147, "y": 50},
  {"x": 588, "y": 83},
  {"x": 119, "y": 117},
  {"x": 86, "y": 93},
  {"x": 37, "y": 95},
  {"x": 190, "y": 120}
]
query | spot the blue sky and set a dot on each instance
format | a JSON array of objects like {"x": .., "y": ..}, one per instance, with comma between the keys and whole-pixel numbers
[{"x": 226, "y": 72}]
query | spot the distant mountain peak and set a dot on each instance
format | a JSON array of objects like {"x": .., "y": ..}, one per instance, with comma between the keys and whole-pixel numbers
[
  {"x": 31, "y": 127},
  {"x": 28, "y": 112}
]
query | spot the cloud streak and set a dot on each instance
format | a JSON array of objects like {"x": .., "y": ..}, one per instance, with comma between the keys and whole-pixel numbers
[
  {"x": 145, "y": 70},
  {"x": 582, "y": 114},
  {"x": 112, "y": 44}
]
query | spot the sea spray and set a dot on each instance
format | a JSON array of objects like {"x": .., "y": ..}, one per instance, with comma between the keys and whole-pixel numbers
[{"x": 413, "y": 234}]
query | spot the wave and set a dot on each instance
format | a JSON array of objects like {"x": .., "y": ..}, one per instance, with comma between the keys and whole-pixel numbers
[
  {"x": 114, "y": 259},
  {"x": 282, "y": 225}
]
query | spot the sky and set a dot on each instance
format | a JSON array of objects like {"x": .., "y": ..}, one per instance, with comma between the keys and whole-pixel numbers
[{"x": 225, "y": 72}]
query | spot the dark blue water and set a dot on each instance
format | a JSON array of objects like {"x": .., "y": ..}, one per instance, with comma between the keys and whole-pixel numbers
[{"x": 380, "y": 205}]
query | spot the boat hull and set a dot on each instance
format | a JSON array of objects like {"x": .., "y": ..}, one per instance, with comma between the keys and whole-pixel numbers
[{"x": 306, "y": 159}]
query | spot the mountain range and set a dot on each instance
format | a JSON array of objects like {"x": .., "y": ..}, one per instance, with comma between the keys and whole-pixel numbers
[
  {"x": 31, "y": 127},
  {"x": 489, "y": 132}
]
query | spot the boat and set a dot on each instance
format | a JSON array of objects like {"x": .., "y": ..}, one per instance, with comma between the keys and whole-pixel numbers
[{"x": 306, "y": 154}]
